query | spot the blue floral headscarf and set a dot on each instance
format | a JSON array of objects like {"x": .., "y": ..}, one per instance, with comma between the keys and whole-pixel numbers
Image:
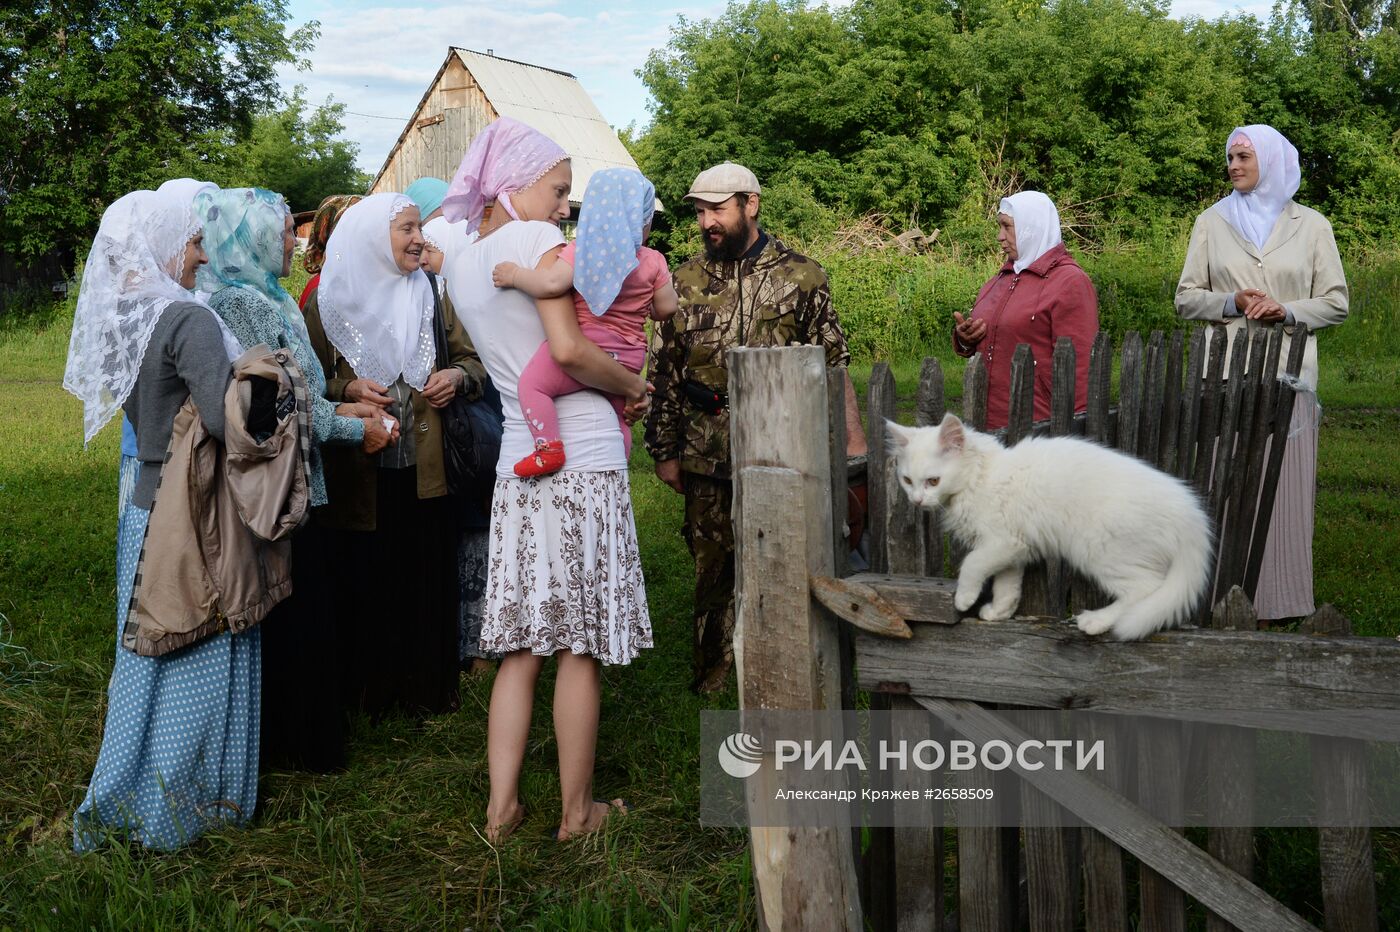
[
  {"x": 243, "y": 230},
  {"x": 619, "y": 202}
]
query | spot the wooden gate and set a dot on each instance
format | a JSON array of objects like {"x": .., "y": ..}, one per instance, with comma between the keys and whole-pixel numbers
[{"x": 809, "y": 633}]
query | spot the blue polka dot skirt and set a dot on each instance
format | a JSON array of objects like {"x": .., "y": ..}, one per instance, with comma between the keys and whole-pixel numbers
[{"x": 180, "y": 749}]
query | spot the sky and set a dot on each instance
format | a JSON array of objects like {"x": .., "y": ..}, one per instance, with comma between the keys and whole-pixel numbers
[{"x": 378, "y": 59}]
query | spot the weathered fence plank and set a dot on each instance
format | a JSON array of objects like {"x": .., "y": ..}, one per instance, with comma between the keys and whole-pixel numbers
[
  {"x": 1211, "y": 399},
  {"x": 1191, "y": 407},
  {"x": 1160, "y": 782},
  {"x": 805, "y": 877},
  {"x": 1020, "y": 412},
  {"x": 1153, "y": 389},
  {"x": 880, "y": 407},
  {"x": 1170, "y": 450},
  {"x": 918, "y": 850},
  {"x": 1130, "y": 393},
  {"x": 1252, "y": 679},
  {"x": 1230, "y": 762},
  {"x": 1105, "y": 881},
  {"x": 929, "y": 409},
  {"x": 975, "y": 393},
  {"x": 1100, "y": 384},
  {"x": 1339, "y": 785}
]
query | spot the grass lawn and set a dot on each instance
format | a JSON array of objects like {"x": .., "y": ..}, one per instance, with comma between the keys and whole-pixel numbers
[{"x": 395, "y": 841}]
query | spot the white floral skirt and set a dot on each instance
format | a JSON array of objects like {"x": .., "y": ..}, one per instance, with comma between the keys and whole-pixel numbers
[{"x": 565, "y": 571}]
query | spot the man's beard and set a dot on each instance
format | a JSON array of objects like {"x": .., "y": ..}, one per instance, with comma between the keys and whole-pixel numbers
[{"x": 734, "y": 244}]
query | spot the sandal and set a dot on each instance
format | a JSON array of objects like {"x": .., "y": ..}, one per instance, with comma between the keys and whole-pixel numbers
[
  {"x": 496, "y": 834},
  {"x": 617, "y": 805}
]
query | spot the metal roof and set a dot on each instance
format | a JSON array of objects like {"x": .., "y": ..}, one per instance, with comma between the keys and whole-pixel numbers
[{"x": 556, "y": 104}]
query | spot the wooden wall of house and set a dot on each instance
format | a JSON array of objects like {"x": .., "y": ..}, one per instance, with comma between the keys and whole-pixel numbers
[{"x": 453, "y": 112}]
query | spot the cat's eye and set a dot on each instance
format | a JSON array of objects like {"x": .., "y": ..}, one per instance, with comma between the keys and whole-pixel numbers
[
  {"x": 906, "y": 480},
  {"x": 931, "y": 482}
]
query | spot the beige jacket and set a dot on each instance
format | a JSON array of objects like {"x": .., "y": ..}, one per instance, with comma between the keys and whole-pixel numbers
[
  {"x": 217, "y": 551},
  {"x": 1299, "y": 267}
]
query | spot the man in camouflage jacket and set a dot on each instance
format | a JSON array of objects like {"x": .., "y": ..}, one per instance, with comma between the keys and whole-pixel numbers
[{"x": 748, "y": 289}]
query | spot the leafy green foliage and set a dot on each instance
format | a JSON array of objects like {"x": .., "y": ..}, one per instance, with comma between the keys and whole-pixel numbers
[
  {"x": 101, "y": 97},
  {"x": 928, "y": 111}
]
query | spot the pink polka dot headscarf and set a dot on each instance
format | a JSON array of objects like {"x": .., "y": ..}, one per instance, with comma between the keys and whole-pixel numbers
[{"x": 506, "y": 156}]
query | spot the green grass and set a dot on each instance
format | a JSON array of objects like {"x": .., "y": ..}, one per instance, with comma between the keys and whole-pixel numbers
[{"x": 394, "y": 842}]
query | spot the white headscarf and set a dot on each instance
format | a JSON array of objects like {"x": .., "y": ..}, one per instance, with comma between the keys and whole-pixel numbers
[
  {"x": 1254, "y": 214},
  {"x": 131, "y": 276},
  {"x": 377, "y": 317},
  {"x": 1037, "y": 226},
  {"x": 189, "y": 188}
]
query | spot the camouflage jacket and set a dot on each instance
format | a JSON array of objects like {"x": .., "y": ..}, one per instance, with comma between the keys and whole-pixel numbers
[{"x": 776, "y": 298}]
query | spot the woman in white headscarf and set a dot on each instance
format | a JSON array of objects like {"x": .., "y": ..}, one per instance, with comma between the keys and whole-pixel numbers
[
  {"x": 371, "y": 324},
  {"x": 1038, "y": 295},
  {"x": 1257, "y": 255},
  {"x": 180, "y": 747}
]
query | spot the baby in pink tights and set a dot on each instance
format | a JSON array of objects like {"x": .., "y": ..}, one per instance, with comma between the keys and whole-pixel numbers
[{"x": 617, "y": 284}]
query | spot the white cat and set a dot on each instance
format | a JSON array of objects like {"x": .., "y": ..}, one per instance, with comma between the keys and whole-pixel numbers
[{"x": 1137, "y": 532}]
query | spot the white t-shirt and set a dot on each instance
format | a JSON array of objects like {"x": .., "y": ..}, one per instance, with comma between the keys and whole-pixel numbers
[{"x": 506, "y": 330}]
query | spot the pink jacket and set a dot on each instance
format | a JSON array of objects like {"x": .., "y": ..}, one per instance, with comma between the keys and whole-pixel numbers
[{"x": 1052, "y": 298}]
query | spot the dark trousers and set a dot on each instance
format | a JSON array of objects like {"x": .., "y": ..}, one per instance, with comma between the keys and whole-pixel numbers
[{"x": 709, "y": 533}]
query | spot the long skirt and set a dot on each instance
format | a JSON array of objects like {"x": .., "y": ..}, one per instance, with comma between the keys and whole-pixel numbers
[
  {"x": 1286, "y": 576},
  {"x": 303, "y": 715},
  {"x": 566, "y": 573},
  {"x": 398, "y": 598},
  {"x": 180, "y": 747}
]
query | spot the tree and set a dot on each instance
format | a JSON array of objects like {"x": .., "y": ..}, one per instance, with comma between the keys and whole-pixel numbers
[
  {"x": 104, "y": 96},
  {"x": 298, "y": 155}
]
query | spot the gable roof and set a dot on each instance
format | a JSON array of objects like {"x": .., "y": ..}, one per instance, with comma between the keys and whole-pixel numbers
[{"x": 551, "y": 101}]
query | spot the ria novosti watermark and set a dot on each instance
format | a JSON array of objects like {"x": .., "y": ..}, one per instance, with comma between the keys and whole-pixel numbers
[{"x": 914, "y": 769}]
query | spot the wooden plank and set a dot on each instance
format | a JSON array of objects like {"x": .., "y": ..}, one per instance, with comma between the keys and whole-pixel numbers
[
  {"x": 1021, "y": 410},
  {"x": 1153, "y": 390},
  {"x": 929, "y": 408},
  {"x": 1230, "y": 760},
  {"x": 1153, "y": 843},
  {"x": 1052, "y": 864},
  {"x": 1062, "y": 402},
  {"x": 1191, "y": 406},
  {"x": 859, "y": 605},
  {"x": 1343, "y": 840},
  {"x": 988, "y": 860},
  {"x": 1169, "y": 451},
  {"x": 1160, "y": 781},
  {"x": 1105, "y": 881},
  {"x": 1212, "y": 394},
  {"x": 1225, "y": 450},
  {"x": 880, "y": 407},
  {"x": 975, "y": 393},
  {"x": 918, "y": 850},
  {"x": 1099, "y": 387},
  {"x": 1253, "y": 679},
  {"x": 1130, "y": 393},
  {"x": 926, "y": 599},
  {"x": 805, "y": 878}
]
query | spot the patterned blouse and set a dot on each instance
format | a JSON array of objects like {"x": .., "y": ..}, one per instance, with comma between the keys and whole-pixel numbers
[{"x": 253, "y": 320}]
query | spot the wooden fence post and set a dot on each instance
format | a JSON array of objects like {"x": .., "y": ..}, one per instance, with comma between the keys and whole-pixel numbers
[{"x": 786, "y": 646}]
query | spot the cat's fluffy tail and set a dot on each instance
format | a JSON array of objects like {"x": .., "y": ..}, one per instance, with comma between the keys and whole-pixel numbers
[{"x": 1173, "y": 601}]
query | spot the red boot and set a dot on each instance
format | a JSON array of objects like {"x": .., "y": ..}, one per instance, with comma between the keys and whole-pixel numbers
[{"x": 547, "y": 458}]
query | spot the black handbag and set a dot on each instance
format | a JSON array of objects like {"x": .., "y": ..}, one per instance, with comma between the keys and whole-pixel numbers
[{"x": 471, "y": 430}]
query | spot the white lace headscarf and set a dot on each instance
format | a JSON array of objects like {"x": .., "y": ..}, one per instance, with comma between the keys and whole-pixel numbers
[
  {"x": 1254, "y": 213},
  {"x": 132, "y": 275},
  {"x": 377, "y": 317}
]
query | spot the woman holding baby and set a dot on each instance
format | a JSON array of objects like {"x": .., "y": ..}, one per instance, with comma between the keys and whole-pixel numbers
[{"x": 566, "y": 576}]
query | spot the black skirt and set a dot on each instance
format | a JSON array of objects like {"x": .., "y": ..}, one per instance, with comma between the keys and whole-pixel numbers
[
  {"x": 398, "y": 596},
  {"x": 303, "y": 713}
]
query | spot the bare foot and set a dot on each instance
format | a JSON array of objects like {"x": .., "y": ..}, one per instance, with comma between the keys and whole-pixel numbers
[
  {"x": 597, "y": 817},
  {"x": 501, "y": 829}
]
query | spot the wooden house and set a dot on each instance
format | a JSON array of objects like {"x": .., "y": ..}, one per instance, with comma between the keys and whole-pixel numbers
[{"x": 471, "y": 90}]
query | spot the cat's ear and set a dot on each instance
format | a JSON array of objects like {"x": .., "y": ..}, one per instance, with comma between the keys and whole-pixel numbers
[
  {"x": 951, "y": 436},
  {"x": 898, "y": 436}
]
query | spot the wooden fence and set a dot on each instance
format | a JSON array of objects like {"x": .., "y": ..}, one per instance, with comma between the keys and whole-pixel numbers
[{"x": 808, "y": 634}]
